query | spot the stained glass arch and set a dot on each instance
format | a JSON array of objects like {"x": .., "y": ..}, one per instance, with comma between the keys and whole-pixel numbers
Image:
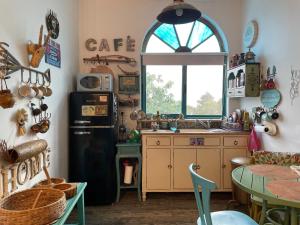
[{"x": 200, "y": 36}]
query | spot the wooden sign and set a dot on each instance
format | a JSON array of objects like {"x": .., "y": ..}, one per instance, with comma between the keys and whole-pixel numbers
[{"x": 19, "y": 173}]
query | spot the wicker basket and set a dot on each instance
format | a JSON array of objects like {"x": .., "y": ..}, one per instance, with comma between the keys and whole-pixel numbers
[
  {"x": 32, "y": 207},
  {"x": 69, "y": 189},
  {"x": 54, "y": 181}
]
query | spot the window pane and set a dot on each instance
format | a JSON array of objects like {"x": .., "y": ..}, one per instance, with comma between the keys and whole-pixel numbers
[
  {"x": 200, "y": 33},
  {"x": 155, "y": 45},
  {"x": 163, "y": 89},
  {"x": 210, "y": 45},
  {"x": 183, "y": 32},
  {"x": 204, "y": 90},
  {"x": 166, "y": 32}
]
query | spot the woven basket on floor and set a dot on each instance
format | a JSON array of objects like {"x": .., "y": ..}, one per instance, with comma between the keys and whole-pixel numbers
[
  {"x": 69, "y": 189},
  {"x": 32, "y": 207}
]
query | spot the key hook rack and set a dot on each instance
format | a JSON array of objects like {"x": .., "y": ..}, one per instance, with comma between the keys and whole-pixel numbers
[{"x": 9, "y": 64}]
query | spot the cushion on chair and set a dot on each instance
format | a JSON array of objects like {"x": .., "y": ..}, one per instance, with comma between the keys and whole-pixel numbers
[
  {"x": 277, "y": 158},
  {"x": 229, "y": 218}
]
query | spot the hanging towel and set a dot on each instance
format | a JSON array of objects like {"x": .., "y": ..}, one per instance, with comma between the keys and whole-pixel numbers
[{"x": 254, "y": 142}]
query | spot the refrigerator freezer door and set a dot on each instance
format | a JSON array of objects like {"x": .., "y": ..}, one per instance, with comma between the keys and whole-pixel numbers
[{"x": 92, "y": 109}]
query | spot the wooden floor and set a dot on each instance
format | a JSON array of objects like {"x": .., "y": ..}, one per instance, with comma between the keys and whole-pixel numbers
[{"x": 159, "y": 209}]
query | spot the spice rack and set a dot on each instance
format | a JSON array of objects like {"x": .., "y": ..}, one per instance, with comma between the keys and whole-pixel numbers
[{"x": 244, "y": 80}]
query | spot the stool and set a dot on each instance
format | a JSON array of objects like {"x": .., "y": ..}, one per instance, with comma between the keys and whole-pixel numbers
[
  {"x": 239, "y": 196},
  {"x": 128, "y": 150}
]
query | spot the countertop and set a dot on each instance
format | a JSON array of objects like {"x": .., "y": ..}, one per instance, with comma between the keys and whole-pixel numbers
[{"x": 194, "y": 131}]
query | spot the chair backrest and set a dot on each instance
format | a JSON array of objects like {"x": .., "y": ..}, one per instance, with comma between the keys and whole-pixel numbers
[{"x": 203, "y": 201}]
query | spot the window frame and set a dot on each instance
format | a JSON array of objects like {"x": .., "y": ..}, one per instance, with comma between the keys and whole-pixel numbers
[{"x": 184, "y": 72}]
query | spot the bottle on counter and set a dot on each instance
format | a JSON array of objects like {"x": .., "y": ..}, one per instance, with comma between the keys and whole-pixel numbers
[{"x": 246, "y": 122}]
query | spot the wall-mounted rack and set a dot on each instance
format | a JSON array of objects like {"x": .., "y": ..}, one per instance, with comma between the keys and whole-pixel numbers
[
  {"x": 110, "y": 59},
  {"x": 9, "y": 64}
]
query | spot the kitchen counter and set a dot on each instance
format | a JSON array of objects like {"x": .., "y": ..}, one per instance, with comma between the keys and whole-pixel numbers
[{"x": 194, "y": 131}]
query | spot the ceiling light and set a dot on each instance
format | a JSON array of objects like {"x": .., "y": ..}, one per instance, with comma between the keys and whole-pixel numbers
[{"x": 179, "y": 13}]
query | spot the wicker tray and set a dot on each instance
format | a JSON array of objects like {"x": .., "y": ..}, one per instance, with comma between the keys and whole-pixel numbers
[
  {"x": 54, "y": 181},
  {"x": 32, "y": 207},
  {"x": 69, "y": 189}
]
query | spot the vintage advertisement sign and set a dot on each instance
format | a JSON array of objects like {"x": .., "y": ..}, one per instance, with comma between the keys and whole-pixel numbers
[{"x": 53, "y": 54}]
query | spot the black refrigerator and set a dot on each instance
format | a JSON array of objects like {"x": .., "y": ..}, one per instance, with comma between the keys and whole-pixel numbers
[{"x": 92, "y": 139}]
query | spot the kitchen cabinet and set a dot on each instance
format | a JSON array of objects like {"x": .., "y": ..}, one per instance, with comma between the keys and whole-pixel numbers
[
  {"x": 234, "y": 146},
  {"x": 182, "y": 158},
  {"x": 158, "y": 170},
  {"x": 244, "y": 80},
  {"x": 209, "y": 165},
  {"x": 204, "y": 166},
  {"x": 166, "y": 158}
]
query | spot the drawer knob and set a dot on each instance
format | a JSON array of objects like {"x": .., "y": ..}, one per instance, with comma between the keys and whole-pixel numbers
[
  {"x": 224, "y": 166},
  {"x": 170, "y": 166},
  {"x": 158, "y": 142},
  {"x": 198, "y": 167},
  {"x": 235, "y": 142}
]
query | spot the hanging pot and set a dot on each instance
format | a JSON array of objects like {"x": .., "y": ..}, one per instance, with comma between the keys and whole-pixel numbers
[{"x": 6, "y": 97}]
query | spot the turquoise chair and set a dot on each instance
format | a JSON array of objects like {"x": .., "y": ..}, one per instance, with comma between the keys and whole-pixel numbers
[{"x": 203, "y": 204}]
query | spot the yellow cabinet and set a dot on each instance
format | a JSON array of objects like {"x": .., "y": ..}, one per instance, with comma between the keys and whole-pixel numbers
[
  {"x": 166, "y": 159},
  {"x": 158, "y": 168},
  {"x": 209, "y": 164},
  {"x": 182, "y": 159},
  {"x": 228, "y": 154}
]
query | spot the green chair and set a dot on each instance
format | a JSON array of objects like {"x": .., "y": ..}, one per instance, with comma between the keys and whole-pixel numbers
[{"x": 203, "y": 204}]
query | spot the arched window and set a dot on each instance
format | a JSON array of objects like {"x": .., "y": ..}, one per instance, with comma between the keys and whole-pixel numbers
[{"x": 183, "y": 70}]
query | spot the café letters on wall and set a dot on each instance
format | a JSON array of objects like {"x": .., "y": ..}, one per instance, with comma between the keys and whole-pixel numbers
[{"x": 92, "y": 44}]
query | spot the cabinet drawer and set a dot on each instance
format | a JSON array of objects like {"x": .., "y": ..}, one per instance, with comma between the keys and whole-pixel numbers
[
  {"x": 158, "y": 141},
  {"x": 235, "y": 141},
  {"x": 239, "y": 92},
  {"x": 197, "y": 141}
]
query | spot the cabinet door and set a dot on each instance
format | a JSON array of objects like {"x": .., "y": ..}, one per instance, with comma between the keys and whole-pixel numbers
[
  {"x": 209, "y": 164},
  {"x": 182, "y": 159},
  {"x": 230, "y": 153},
  {"x": 158, "y": 169}
]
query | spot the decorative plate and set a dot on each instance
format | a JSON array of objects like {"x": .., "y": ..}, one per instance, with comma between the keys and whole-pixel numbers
[
  {"x": 270, "y": 98},
  {"x": 52, "y": 24},
  {"x": 250, "y": 35}
]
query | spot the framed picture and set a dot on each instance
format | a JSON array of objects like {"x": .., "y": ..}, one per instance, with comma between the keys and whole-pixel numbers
[{"x": 129, "y": 84}]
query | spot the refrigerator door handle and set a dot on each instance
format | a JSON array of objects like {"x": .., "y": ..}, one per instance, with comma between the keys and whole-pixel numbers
[
  {"x": 81, "y": 121},
  {"x": 82, "y": 132}
]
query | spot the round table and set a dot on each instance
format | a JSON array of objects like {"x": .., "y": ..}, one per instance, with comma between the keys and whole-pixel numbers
[{"x": 255, "y": 184}]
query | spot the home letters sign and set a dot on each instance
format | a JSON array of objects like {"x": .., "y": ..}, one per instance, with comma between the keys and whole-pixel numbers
[
  {"x": 19, "y": 173},
  {"x": 92, "y": 44}
]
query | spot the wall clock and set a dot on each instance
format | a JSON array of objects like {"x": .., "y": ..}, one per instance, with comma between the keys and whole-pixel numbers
[
  {"x": 52, "y": 24},
  {"x": 250, "y": 35}
]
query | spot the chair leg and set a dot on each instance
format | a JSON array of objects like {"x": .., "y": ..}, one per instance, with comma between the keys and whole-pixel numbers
[
  {"x": 263, "y": 213},
  {"x": 287, "y": 216}
]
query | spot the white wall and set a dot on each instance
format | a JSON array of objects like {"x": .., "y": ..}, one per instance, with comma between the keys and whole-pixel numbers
[
  {"x": 278, "y": 44},
  {"x": 20, "y": 22},
  {"x": 114, "y": 18}
]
